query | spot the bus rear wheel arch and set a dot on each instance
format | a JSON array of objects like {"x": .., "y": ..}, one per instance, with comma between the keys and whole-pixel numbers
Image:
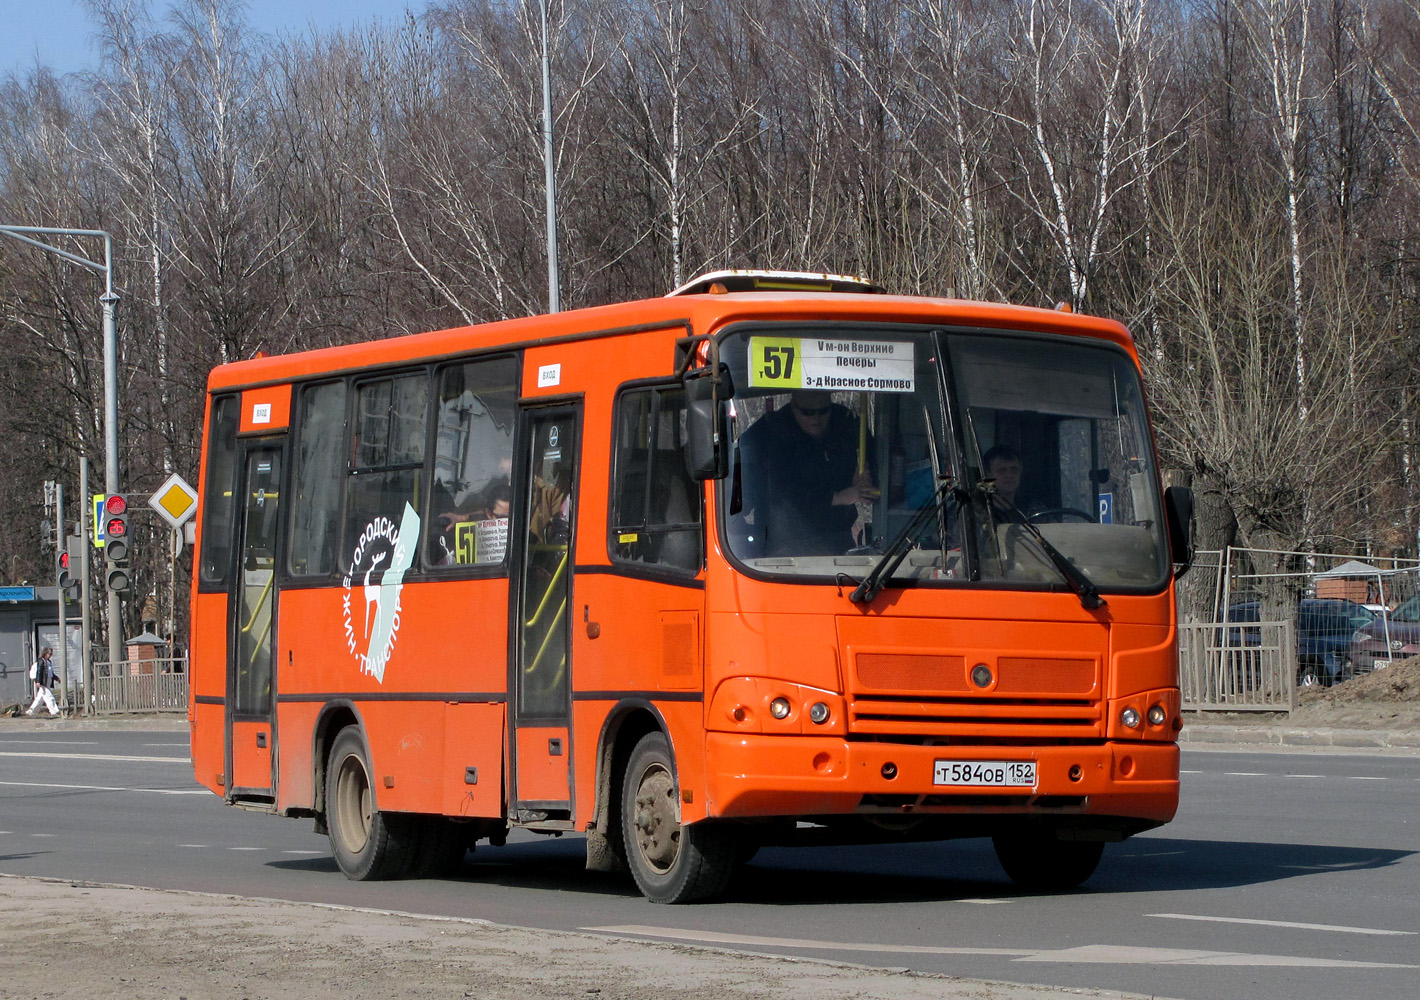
[
  {"x": 368, "y": 844},
  {"x": 672, "y": 862}
]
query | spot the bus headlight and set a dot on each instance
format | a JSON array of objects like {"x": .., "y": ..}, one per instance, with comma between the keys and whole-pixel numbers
[
  {"x": 779, "y": 708},
  {"x": 1157, "y": 715},
  {"x": 818, "y": 713},
  {"x": 1130, "y": 718}
]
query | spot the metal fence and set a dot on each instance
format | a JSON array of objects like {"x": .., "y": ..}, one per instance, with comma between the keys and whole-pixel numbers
[
  {"x": 139, "y": 686},
  {"x": 1229, "y": 668}
]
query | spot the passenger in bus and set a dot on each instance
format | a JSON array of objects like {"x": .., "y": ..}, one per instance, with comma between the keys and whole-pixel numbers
[
  {"x": 800, "y": 478},
  {"x": 490, "y": 505}
]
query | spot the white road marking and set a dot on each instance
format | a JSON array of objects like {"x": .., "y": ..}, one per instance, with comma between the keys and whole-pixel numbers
[
  {"x": 1130, "y": 955},
  {"x": 105, "y": 788},
  {"x": 1190, "y": 772},
  {"x": 984, "y": 902},
  {"x": 1245, "y": 774},
  {"x": 1329, "y": 928},
  {"x": 43, "y": 835},
  {"x": 193, "y": 845},
  {"x": 246, "y": 848},
  {"x": 1305, "y": 776},
  {"x": 99, "y": 756},
  {"x": 1363, "y": 777},
  {"x": 714, "y": 937},
  {"x": 305, "y": 852},
  {"x": 1093, "y": 953},
  {"x": 49, "y": 743}
]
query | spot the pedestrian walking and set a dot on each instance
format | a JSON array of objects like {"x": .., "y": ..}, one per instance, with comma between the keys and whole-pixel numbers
[{"x": 42, "y": 673}]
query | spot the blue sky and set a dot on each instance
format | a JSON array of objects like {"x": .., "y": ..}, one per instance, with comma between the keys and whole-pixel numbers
[{"x": 57, "y": 33}]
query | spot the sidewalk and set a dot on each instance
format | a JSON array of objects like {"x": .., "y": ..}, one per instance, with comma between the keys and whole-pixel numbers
[{"x": 77, "y": 941}]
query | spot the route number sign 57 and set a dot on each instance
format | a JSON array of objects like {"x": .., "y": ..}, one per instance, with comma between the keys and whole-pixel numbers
[{"x": 788, "y": 363}]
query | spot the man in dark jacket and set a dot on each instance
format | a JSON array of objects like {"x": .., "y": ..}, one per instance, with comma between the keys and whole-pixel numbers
[
  {"x": 800, "y": 480},
  {"x": 42, "y": 673}
]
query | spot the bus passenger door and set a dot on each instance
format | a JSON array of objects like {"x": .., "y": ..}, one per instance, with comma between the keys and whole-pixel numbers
[
  {"x": 251, "y": 731},
  {"x": 541, "y": 753}
]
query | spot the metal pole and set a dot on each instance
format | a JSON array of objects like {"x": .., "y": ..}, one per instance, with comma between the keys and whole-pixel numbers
[
  {"x": 109, "y": 299},
  {"x": 62, "y": 545},
  {"x": 554, "y": 284},
  {"x": 85, "y": 650}
]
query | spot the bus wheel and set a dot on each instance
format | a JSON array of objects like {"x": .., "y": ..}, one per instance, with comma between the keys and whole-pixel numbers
[
  {"x": 443, "y": 844},
  {"x": 368, "y": 844},
  {"x": 671, "y": 862},
  {"x": 1039, "y": 861}
]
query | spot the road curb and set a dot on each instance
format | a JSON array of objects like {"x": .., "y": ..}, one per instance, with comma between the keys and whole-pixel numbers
[
  {"x": 65, "y": 723},
  {"x": 1300, "y": 736}
]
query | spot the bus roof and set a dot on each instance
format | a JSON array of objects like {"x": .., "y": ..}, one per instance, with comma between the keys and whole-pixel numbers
[{"x": 679, "y": 315}]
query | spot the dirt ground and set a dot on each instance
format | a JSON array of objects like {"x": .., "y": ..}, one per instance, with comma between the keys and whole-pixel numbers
[
  {"x": 1385, "y": 699},
  {"x": 77, "y": 941}
]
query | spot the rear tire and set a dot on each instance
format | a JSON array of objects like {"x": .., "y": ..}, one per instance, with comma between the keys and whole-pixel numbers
[
  {"x": 671, "y": 862},
  {"x": 443, "y": 844},
  {"x": 368, "y": 845},
  {"x": 1038, "y": 861}
]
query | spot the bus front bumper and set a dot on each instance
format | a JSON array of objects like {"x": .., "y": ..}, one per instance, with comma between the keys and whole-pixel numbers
[{"x": 792, "y": 776}]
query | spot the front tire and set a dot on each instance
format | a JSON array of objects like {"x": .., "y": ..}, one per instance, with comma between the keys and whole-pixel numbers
[
  {"x": 1040, "y": 862},
  {"x": 368, "y": 845},
  {"x": 671, "y": 862}
]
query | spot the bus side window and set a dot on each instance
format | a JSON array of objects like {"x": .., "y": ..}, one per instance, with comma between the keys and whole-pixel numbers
[
  {"x": 388, "y": 452},
  {"x": 473, "y": 460},
  {"x": 318, "y": 481},
  {"x": 657, "y": 513},
  {"x": 219, "y": 508}
]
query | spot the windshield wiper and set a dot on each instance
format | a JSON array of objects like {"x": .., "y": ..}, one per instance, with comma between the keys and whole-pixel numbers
[
  {"x": 1082, "y": 585},
  {"x": 896, "y": 551}
]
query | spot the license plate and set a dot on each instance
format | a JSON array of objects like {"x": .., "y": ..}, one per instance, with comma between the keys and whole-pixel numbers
[
  {"x": 985, "y": 773},
  {"x": 1380, "y": 664}
]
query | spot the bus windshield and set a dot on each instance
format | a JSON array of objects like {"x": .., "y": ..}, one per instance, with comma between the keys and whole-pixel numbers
[{"x": 843, "y": 434}]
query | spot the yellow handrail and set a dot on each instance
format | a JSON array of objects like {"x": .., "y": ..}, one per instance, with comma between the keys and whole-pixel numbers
[
  {"x": 532, "y": 667},
  {"x": 260, "y": 601},
  {"x": 551, "y": 586}
]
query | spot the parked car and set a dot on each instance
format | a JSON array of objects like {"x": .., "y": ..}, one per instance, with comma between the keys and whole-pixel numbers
[
  {"x": 1325, "y": 630},
  {"x": 1383, "y": 639}
]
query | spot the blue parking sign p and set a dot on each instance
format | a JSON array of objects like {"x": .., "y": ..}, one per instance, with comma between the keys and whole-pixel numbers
[{"x": 1106, "y": 508}]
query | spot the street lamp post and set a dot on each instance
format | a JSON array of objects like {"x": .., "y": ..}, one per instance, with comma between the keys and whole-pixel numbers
[
  {"x": 554, "y": 284},
  {"x": 109, "y": 300}
]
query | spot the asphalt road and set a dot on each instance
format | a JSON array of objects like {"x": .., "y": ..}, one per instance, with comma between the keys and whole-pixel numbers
[{"x": 1285, "y": 875}]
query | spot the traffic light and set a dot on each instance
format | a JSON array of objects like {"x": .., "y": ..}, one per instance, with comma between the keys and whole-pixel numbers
[
  {"x": 116, "y": 543},
  {"x": 62, "y": 569}
]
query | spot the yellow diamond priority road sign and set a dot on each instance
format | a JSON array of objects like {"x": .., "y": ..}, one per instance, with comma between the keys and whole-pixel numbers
[{"x": 175, "y": 501}]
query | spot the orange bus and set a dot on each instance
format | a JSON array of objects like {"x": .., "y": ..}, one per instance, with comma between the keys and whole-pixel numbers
[{"x": 775, "y": 557}]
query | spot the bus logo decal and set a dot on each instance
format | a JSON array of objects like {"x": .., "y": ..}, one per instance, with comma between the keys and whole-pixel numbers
[{"x": 382, "y": 554}]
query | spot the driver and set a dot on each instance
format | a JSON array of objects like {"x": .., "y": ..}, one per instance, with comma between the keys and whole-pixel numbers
[
  {"x": 1003, "y": 464},
  {"x": 801, "y": 482}
]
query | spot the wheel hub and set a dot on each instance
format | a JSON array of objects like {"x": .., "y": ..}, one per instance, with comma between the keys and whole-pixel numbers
[{"x": 657, "y": 822}]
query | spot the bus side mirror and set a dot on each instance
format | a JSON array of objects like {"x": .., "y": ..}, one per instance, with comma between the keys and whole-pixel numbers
[
  {"x": 1178, "y": 510},
  {"x": 707, "y": 424}
]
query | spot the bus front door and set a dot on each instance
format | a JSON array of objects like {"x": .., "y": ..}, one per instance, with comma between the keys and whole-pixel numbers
[
  {"x": 251, "y": 731},
  {"x": 541, "y": 683}
]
